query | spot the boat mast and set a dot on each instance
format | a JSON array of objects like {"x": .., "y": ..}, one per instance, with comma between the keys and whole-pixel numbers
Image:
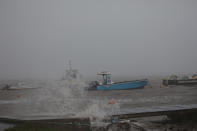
[{"x": 70, "y": 65}]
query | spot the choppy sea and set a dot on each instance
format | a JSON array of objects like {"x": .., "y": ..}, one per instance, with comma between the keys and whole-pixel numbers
[{"x": 29, "y": 99}]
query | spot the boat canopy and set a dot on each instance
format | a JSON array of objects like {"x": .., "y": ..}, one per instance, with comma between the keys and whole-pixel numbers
[
  {"x": 104, "y": 73},
  {"x": 106, "y": 77}
]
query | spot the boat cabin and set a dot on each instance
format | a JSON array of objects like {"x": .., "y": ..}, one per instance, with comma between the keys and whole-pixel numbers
[{"x": 106, "y": 77}]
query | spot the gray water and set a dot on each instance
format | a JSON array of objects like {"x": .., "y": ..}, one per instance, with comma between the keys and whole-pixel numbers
[{"x": 65, "y": 99}]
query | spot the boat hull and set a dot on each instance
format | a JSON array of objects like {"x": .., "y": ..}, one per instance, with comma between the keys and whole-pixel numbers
[{"x": 124, "y": 85}]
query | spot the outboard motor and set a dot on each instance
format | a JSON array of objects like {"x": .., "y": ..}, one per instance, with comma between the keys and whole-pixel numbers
[{"x": 93, "y": 85}]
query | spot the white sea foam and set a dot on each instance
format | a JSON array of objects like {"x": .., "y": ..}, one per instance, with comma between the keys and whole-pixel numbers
[{"x": 65, "y": 97}]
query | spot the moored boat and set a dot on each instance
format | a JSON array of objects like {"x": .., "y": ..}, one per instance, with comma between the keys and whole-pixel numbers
[
  {"x": 184, "y": 80},
  {"x": 107, "y": 83}
]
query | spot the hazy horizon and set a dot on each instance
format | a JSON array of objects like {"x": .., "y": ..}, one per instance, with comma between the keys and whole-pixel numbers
[{"x": 127, "y": 38}]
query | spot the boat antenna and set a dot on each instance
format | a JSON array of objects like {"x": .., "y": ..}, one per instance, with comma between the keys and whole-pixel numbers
[{"x": 70, "y": 65}]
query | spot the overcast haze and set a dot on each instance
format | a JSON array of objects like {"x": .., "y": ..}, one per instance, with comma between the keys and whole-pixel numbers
[{"x": 126, "y": 37}]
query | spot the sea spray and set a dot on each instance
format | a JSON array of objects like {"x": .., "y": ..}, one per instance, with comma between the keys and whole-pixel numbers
[
  {"x": 67, "y": 97},
  {"x": 57, "y": 97}
]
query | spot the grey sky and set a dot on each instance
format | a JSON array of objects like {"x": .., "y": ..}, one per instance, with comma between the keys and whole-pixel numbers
[{"x": 131, "y": 37}]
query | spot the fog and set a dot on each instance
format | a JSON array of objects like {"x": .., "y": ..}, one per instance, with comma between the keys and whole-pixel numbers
[{"x": 125, "y": 37}]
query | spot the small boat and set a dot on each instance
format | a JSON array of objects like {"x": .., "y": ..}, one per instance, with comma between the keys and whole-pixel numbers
[
  {"x": 107, "y": 83},
  {"x": 184, "y": 80},
  {"x": 71, "y": 74}
]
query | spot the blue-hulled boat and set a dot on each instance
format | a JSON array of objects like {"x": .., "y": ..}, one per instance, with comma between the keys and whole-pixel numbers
[{"x": 107, "y": 83}]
